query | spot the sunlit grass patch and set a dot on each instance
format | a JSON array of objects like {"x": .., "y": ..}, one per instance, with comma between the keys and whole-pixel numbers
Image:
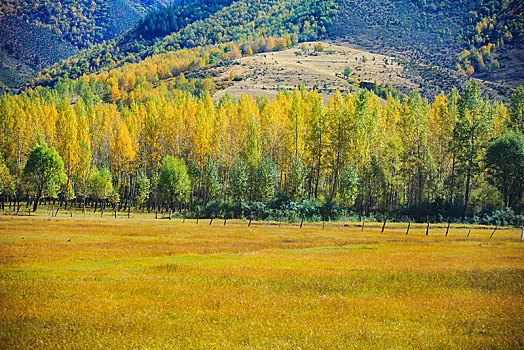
[{"x": 140, "y": 283}]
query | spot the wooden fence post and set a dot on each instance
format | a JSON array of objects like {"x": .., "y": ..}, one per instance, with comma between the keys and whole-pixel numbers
[
  {"x": 427, "y": 229},
  {"x": 343, "y": 224},
  {"x": 249, "y": 225},
  {"x": 363, "y": 223},
  {"x": 496, "y": 227},
  {"x": 302, "y": 222},
  {"x": 447, "y": 230},
  {"x": 384, "y": 226},
  {"x": 409, "y": 225},
  {"x": 267, "y": 222},
  {"x": 469, "y": 232},
  {"x": 210, "y": 222},
  {"x": 225, "y": 219}
]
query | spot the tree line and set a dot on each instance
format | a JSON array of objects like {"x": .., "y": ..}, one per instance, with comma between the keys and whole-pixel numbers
[{"x": 172, "y": 151}]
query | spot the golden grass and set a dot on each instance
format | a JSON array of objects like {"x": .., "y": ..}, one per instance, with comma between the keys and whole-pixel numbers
[
  {"x": 266, "y": 73},
  {"x": 145, "y": 283}
]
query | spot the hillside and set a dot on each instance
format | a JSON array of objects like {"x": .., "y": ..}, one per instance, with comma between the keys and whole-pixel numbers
[
  {"x": 26, "y": 48},
  {"x": 337, "y": 68},
  {"x": 36, "y": 34},
  {"x": 474, "y": 38},
  {"x": 478, "y": 38},
  {"x": 243, "y": 26},
  {"x": 404, "y": 27},
  {"x": 81, "y": 22},
  {"x": 268, "y": 73},
  {"x": 430, "y": 35}
]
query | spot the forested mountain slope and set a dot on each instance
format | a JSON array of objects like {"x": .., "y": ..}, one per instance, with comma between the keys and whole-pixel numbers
[
  {"x": 482, "y": 38},
  {"x": 473, "y": 37},
  {"x": 35, "y": 34},
  {"x": 238, "y": 26},
  {"x": 26, "y": 48},
  {"x": 81, "y": 22}
]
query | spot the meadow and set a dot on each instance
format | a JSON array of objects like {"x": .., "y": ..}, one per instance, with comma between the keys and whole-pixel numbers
[
  {"x": 142, "y": 283},
  {"x": 265, "y": 74}
]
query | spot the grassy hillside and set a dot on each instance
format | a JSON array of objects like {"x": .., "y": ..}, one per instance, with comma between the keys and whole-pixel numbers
[
  {"x": 337, "y": 68},
  {"x": 266, "y": 74}
]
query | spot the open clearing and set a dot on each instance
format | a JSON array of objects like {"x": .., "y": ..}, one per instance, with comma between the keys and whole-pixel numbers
[
  {"x": 145, "y": 283},
  {"x": 264, "y": 74}
]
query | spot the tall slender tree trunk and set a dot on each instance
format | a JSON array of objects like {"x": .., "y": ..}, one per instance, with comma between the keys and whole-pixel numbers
[
  {"x": 335, "y": 176},
  {"x": 466, "y": 194},
  {"x": 37, "y": 198},
  {"x": 319, "y": 155},
  {"x": 452, "y": 185}
]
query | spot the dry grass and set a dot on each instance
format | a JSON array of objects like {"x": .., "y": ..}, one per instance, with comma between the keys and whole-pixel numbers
[
  {"x": 145, "y": 283},
  {"x": 264, "y": 74}
]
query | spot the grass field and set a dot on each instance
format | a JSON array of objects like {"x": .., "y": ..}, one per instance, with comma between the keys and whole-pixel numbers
[
  {"x": 265, "y": 74},
  {"x": 157, "y": 284}
]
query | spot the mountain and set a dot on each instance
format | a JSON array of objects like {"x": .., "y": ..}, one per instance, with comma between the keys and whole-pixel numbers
[
  {"x": 26, "y": 48},
  {"x": 36, "y": 34},
  {"x": 477, "y": 38}
]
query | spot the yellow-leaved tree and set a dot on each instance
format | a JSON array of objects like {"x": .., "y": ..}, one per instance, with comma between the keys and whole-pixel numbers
[
  {"x": 123, "y": 151},
  {"x": 68, "y": 145}
]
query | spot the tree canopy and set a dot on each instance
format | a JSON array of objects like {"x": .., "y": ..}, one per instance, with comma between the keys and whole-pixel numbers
[
  {"x": 505, "y": 163},
  {"x": 173, "y": 183},
  {"x": 44, "y": 172}
]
